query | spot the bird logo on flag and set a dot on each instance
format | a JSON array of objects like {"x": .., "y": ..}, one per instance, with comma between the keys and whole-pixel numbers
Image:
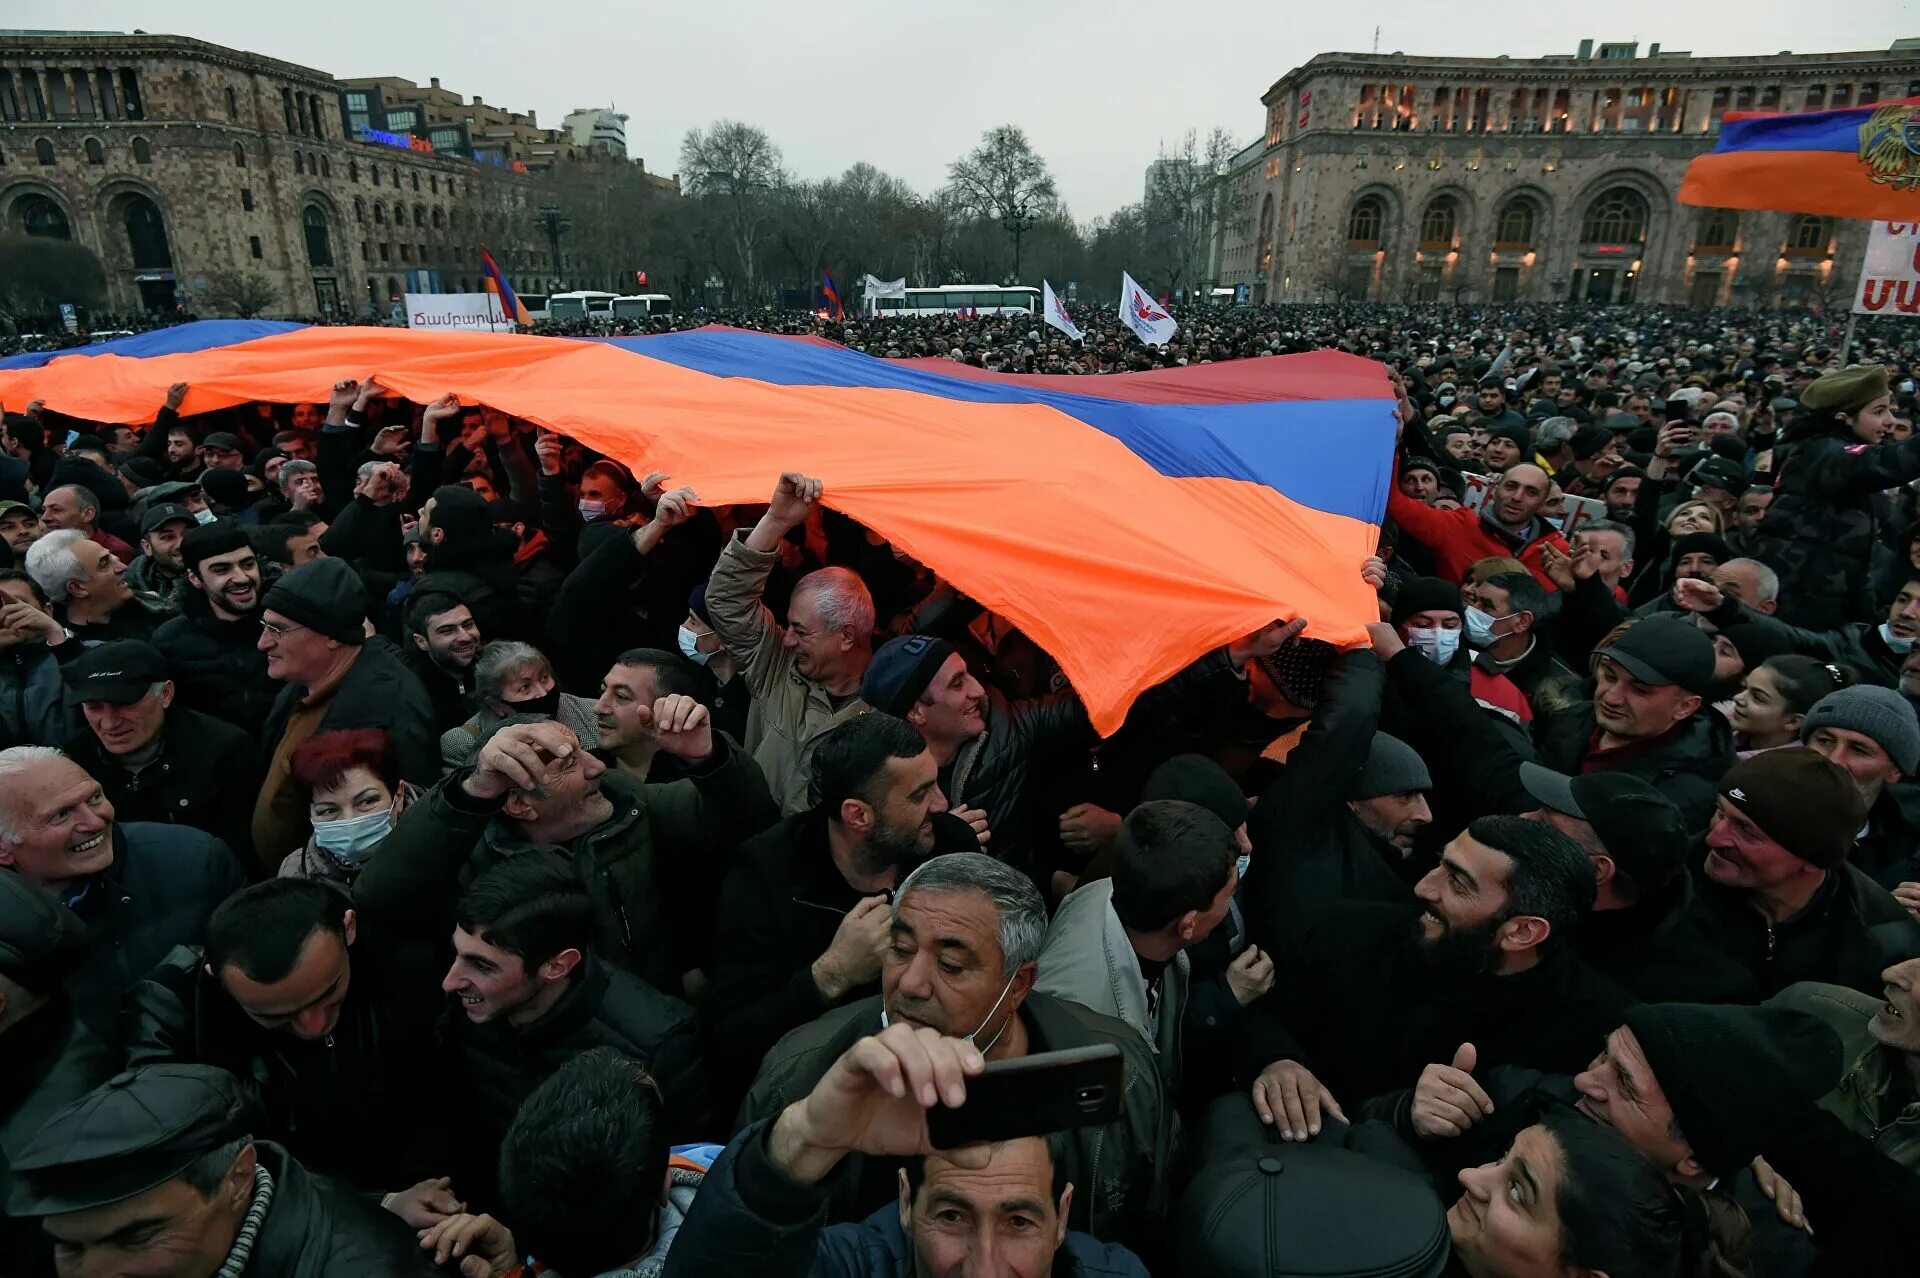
[
  {"x": 1145, "y": 310},
  {"x": 1890, "y": 146}
]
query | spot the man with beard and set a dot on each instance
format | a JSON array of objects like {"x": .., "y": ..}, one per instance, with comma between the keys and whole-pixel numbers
[
  {"x": 443, "y": 639},
  {"x": 158, "y": 568},
  {"x": 212, "y": 646},
  {"x": 1622, "y": 493},
  {"x": 1486, "y": 958},
  {"x": 803, "y": 911}
]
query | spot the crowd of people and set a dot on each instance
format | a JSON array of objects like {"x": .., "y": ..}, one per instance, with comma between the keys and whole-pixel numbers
[{"x": 429, "y": 846}]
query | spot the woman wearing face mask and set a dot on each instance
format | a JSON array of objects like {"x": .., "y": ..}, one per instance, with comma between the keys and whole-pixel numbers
[
  {"x": 509, "y": 678},
  {"x": 1775, "y": 698},
  {"x": 1572, "y": 1199},
  {"x": 727, "y": 696},
  {"x": 351, "y": 778},
  {"x": 1821, "y": 529}
]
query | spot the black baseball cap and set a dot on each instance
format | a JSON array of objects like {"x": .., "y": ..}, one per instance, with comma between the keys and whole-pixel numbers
[
  {"x": 221, "y": 441},
  {"x": 165, "y": 512},
  {"x": 1663, "y": 649},
  {"x": 120, "y": 672},
  {"x": 1640, "y": 827}
]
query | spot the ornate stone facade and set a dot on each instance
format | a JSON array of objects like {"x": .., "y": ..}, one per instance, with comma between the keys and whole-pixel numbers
[
  {"x": 1395, "y": 178},
  {"x": 172, "y": 159}
]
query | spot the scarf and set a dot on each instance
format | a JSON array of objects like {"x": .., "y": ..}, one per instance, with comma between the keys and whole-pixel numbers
[{"x": 242, "y": 1250}]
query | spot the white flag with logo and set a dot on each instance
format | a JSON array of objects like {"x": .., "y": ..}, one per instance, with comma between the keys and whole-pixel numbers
[
  {"x": 1147, "y": 318},
  {"x": 884, "y": 288},
  {"x": 1056, "y": 314}
]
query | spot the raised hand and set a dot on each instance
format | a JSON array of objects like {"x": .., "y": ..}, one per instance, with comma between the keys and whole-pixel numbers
[
  {"x": 1265, "y": 641},
  {"x": 683, "y": 727},
  {"x": 794, "y": 497},
  {"x": 176, "y": 395}
]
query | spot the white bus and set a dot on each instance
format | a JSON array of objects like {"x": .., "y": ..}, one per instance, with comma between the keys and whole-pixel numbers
[
  {"x": 641, "y": 305},
  {"x": 580, "y": 304},
  {"x": 960, "y": 299},
  {"x": 536, "y": 304}
]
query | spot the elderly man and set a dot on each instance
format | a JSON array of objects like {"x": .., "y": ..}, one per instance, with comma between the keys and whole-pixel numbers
[
  {"x": 1874, "y": 735},
  {"x": 1878, "y": 1094},
  {"x": 636, "y": 847},
  {"x": 806, "y": 677},
  {"x": 157, "y": 761},
  {"x": 313, "y": 629},
  {"x": 160, "y": 1165},
  {"x": 73, "y": 508},
  {"x": 140, "y": 888},
  {"x": 86, "y": 584},
  {"x": 965, "y": 937},
  {"x": 1774, "y": 889}
]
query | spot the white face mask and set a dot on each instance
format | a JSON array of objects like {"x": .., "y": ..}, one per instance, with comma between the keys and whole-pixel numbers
[
  {"x": 592, "y": 510},
  {"x": 886, "y": 1020},
  {"x": 1894, "y": 641},
  {"x": 1479, "y": 627},
  {"x": 204, "y": 516},
  {"x": 1438, "y": 645},
  {"x": 690, "y": 648}
]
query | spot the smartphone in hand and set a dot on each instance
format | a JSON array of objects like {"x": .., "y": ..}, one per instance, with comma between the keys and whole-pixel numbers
[{"x": 1035, "y": 1095}]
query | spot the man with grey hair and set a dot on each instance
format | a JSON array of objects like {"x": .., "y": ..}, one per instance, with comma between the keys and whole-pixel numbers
[
  {"x": 805, "y": 677},
  {"x": 1751, "y": 582},
  {"x": 76, "y": 508},
  {"x": 86, "y": 584},
  {"x": 300, "y": 486},
  {"x": 141, "y": 888},
  {"x": 1553, "y": 444},
  {"x": 965, "y": 934}
]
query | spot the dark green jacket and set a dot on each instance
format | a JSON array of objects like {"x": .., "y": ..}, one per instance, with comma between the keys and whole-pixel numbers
[
  {"x": 1875, "y": 1097},
  {"x": 1119, "y": 1171}
]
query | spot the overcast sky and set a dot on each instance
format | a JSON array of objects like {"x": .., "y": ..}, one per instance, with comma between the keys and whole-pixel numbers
[{"x": 909, "y": 84}]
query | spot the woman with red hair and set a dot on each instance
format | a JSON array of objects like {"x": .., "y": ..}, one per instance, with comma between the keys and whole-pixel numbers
[{"x": 351, "y": 780}]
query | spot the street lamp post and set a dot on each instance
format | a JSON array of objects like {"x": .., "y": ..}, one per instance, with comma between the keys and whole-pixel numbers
[{"x": 555, "y": 224}]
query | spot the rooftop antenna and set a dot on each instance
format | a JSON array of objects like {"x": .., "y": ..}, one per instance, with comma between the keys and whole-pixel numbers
[{"x": 1376, "y": 39}]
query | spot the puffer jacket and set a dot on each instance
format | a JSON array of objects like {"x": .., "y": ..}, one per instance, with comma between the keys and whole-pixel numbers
[
  {"x": 1820, "y": 531},
  {"x": 749, "y": 1222},
  {"x": 635, "y": 865},
  {"x": 790, "y": 711},
  {"x": 1119, "y": 1171},
  {"x": 1875, "y": 1096},
  {"x": 217, "y": 666}
]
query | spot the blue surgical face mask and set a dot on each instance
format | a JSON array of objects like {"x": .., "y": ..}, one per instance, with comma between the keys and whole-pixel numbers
[
  {"x": 1439, "y": 645},
  {"x": 592, "y": 510},
  {"x": 204, "y": 516},
  {"x": 690, "y": 648},
  {"x": 1894, "y": 641},
  {"x": 353, "y": 839},
  {"x": 1479, "y": 627}
]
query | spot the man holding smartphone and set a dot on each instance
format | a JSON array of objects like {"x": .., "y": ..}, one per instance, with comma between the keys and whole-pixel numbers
[{"x": 996, "y": 1209}]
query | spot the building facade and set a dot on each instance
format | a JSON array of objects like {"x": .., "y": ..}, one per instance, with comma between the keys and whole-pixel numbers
[
  {"x": 180, "y": 163},
  {"x": 601, "y": 128},
  {"x": 1390, "y": 177}
]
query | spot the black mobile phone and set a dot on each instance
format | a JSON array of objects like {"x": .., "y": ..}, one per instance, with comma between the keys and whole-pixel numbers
[{"x": 1034, "y": 1095}]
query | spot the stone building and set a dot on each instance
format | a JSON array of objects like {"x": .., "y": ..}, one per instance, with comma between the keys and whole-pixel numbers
[
  {"x": 1392, "y": 177},
  {"x": 175, "y": 161}
]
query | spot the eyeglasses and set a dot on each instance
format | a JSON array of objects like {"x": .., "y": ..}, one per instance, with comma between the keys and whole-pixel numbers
[{"x": 279, "y": 630}]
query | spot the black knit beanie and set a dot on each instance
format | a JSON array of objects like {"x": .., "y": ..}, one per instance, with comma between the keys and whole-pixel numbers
[
  {"x": 460, "y": 513},
  {"x": 324, "y": 595},
  {"x": 1425, "y": 594}
]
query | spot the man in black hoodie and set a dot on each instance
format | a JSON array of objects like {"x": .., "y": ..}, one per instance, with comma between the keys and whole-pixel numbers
[{"x": 473, "y": 559}]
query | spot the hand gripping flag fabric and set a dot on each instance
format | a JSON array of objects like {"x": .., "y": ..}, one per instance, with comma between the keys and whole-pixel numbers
[
  {"x": 1128, "y": 523},
  {"x": 510, "y": 304},
  {"x": 1854, "y": 162},
  {"x": 1147, "y": 318},
  {"x": 1056, "y": 314}
]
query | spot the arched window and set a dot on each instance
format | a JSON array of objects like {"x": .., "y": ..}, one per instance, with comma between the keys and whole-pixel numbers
[
  {"x": 146, "y": 232},
  {"x": 399, "y": 215},
  {"x": 375, "y": 170},
  {"x": 419, "y": 215},
  {"x": 1363, "y": 224},
  {"x": 326, "y": 169},
  {"x": 1516, "y": 224},
  {"x": 40, "y": 216},
  {"x": 416, "y": 180},
  {"x": 233, "y": 104},
  {"x": 142, "y": 152},
  {"x": 439, "y": 218},
  {"x": 96, "y": 154},
  {"x": 359, "y": 209},
  {"x": 353, "y": 170},
  {"x": 1437, "y": 224},
  {"x": 379, "y": 213},
  {"x": 43, "y": 151},
  {"x": 319, "y": 241},
  {"x": 1810, "y": 234},
  {"x": 1619, "y": 216},
  {"x": 1719, "y": 229},
  {"x": 299, "y": 162}
]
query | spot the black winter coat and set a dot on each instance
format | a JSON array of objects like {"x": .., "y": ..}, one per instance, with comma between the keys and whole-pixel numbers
[
  {"x": 379, "y": 692},
  {"x": 217, "y": 666},
  {"x": 1685, "y": 765},
  {"x": 207, "y": 777},
  {"x": 163, "y": 886},
  {"x": 495, "y": 1066},
  {"x": 1820, "y": 531},
  {"x": 1657, "y": 951},
  {"x": 320, "y": 1228},
  {"x": 1357, "y": 1004},
  {"x": 349, "y": 1105},
  {"x": 47, "y": 1061}
]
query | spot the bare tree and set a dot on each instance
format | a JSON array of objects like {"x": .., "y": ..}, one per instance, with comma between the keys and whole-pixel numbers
[
  {"x": 1185, "y": 205},
  {"x": 736, "y": 168},
  {"x": 1006, "y": 180},
  {"x": 243, "y": 293}
]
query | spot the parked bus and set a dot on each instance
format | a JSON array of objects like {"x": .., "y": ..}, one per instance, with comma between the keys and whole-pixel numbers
[
  {"x": 581, "y": 304},
  {"x": 536, "y": 304},
  {"x": 641, "y": 305},
  {"x": 960, "y": 299}
]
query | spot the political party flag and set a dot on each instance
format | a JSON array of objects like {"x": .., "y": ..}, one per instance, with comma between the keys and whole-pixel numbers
[
  {"x": 510, "y": 304},
  {"x": 873, "y": 288},
  {"x": 831, "y": 292},
  {"x": 1853, "y": 162},
  {"x": 1056, "y": 314},
  {"x": 1146, "y": 317}
]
